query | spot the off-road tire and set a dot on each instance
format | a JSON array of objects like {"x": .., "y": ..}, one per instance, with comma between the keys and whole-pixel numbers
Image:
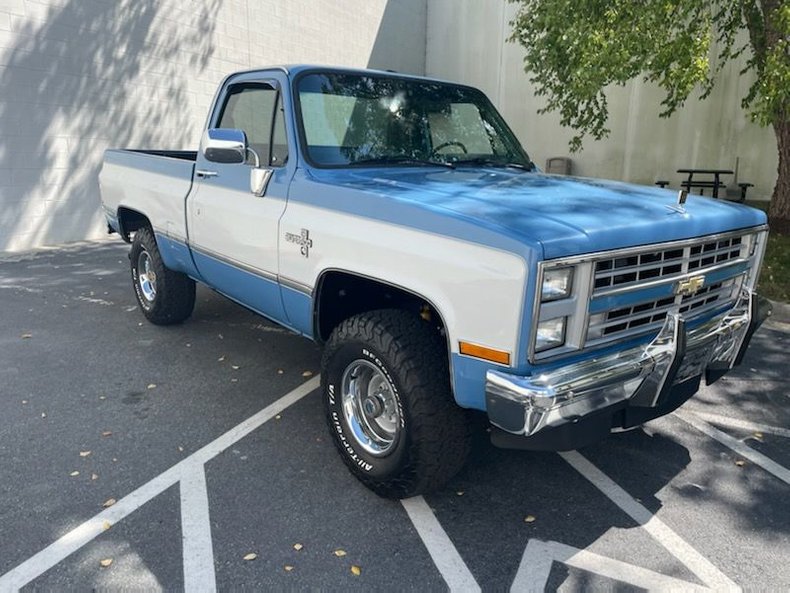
[
  {"x": 434, "y": 436},
  {"x": 174, "y": 297}
]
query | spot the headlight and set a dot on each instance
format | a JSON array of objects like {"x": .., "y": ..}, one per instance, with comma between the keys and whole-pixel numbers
[
  {"x": 551, "y": 333},
  {"x": 556, "y": 284}
]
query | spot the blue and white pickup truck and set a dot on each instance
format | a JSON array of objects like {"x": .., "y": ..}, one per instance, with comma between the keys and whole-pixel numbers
[{"x": 397, "y": 221}]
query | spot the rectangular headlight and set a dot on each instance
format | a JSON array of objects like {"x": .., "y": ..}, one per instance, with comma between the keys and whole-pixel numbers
[
  {"x": 551, "y": 333},
  {"x": 557, "y": 284}
]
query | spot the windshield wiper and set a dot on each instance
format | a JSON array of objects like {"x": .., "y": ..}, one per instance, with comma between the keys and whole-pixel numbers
[
  {"x": 489, "y": 162},
  {"x": 400, "y": 160}
]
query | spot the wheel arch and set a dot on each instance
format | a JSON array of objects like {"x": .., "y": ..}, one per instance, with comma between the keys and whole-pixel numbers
[
  {"x": 130, "y": 220},
  {"x": 344, "y": 289}
]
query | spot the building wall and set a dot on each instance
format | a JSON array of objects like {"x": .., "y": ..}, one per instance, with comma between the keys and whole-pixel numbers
[
  {"x": 466, "y": 41},
  {"x": 78, "y": 76}
]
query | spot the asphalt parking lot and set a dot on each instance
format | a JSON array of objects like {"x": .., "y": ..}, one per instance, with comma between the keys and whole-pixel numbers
[{"x": 136, "y": 456}]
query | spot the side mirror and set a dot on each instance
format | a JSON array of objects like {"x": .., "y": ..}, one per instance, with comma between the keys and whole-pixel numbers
[{"x": 224, "y": 145}]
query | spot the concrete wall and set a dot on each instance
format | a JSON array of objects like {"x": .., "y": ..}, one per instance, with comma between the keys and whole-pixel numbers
[
  {"x": 77, "y": 76},
  {"x": 466, "y": 42}
]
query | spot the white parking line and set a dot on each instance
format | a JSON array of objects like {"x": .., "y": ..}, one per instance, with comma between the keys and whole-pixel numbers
[
  {"x": 755, "y": 457},
  {"x": 740, "y": 424},
  {"x": 444, "y": 554},
  {"x": 678, "y": 547},
  {"x": 38, "y": 564},
  {"x": 535, "y": 569},
  {"x": 198, "y": 551}
]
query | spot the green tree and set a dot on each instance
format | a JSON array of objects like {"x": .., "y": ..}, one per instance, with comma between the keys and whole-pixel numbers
[{"x": 577, "y": 48}]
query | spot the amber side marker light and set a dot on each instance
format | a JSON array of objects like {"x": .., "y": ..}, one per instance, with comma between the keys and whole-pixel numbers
[{"x": 489, "y": 354}]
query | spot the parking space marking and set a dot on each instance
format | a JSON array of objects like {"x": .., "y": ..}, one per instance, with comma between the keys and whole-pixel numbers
[
  {"x": 441, "y": 548},
  {"x": 198, "y": 552},
  {"x": 675, "y": 545},
  {"x": 740, "y": 424},
  {"x": 535, "y": 569},
  {"x": 75, "y": 539},
  {"x": 741, "y": 449}
]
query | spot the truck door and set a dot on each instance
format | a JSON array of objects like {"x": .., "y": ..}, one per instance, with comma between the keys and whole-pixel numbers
[{"x": 232, "y": 232}]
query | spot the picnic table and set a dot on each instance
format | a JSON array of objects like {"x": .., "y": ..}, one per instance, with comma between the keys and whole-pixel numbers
[{"x": 690, "y": 183}]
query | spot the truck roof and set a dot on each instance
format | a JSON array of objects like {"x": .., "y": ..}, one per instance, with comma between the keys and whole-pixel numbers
[{"x": 293, "y": 70}]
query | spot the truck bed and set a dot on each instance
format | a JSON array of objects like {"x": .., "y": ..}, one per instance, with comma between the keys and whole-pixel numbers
[{"x": 154, "y": 182}]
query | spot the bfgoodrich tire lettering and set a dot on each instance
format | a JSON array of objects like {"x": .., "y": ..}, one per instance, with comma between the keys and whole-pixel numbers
[
  {"x": 165, "y": 297},
  {"x": 414, "y": 437}
]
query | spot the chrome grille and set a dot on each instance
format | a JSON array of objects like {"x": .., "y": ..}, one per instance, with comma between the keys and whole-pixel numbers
[
  {"x": 633, "y": 269},
  {"x": 649, "y": 315}
]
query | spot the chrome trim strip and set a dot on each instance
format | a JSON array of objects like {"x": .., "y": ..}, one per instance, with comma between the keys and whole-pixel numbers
[
  {"x": 235, "y": 263},
  {"x": 296, "y": 285}
]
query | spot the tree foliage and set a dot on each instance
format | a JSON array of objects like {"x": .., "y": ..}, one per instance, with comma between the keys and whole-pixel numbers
[{"x": 576, "y": 48}]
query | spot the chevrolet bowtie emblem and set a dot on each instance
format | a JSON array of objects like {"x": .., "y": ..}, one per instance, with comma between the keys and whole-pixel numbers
[{"x": 690, "y": 286}]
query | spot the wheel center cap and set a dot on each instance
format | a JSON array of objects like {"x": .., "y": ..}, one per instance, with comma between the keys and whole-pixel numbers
[{"x": 372, "y": 406}]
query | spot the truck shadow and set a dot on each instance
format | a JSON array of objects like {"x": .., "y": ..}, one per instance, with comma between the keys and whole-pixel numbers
[{"x": 82, "y": 64}]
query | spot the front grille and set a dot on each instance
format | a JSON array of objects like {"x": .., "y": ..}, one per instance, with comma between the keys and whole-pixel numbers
[
  {"x": 649, "y": 315},
  {"x": 633, "y": 269},
  {"x": 625, "y": 294}
]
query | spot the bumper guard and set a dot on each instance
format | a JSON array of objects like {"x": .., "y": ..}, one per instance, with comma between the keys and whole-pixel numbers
[{"x": 641, "y": 376}]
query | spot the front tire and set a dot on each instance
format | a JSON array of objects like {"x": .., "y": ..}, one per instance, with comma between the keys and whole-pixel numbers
[
  {"x": 389, "y": 406},
  {"x": 165, "y": 297}
]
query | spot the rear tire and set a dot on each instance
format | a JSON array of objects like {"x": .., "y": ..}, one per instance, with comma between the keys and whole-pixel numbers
[
  {"x": 389, "y": 406},
  {"x": 165, "y": 297}
]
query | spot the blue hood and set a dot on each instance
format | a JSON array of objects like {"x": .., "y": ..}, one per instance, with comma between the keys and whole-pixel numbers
[{"x": 565, "y": 215}]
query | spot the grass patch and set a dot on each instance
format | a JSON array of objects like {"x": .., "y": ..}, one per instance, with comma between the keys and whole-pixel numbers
[{"x": 774, "y": 280}]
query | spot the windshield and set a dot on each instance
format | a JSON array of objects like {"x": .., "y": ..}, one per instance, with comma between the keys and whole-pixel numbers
[{"x": 371, "y": 120}]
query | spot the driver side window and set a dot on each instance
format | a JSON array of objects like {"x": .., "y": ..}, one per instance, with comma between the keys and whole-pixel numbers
[{"x": 255, "y": 108}]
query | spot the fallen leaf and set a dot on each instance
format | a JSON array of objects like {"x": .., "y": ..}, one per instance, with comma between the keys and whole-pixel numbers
[
  {"x": 251, "y": 556},
  {"x": 151, "y": 386},
  {"x": 84, "y": 453},
  {"x": 109, "y": 502},
  {"x": 26, "y": 336},
  {"x": 288, "y": 568},
  {"x": 740, "y": 463},
  {"x": 340, "y": 553},
  {"x": 298, "y": 547},
  {"x": 94, "y": 476},
  {"x": 106, "y": 525},
  {"x": 356, "y": 570},
  {"x": 307, "y": 374},
  {"x": 529, "y": 519},
  {"x": 106, "y": 433},
  {"x": 74, "y": 474},
  {"x": 106, "y": 562}
]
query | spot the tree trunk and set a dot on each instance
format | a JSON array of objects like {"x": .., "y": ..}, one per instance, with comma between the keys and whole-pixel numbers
[{"x": 779, "y": 211}]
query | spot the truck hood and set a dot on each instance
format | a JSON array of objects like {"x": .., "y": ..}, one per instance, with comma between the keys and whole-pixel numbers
[{"x": 565, "y": 215}]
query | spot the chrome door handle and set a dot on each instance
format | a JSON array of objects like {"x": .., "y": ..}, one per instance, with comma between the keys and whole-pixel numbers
[{"x": 205, "y": 174}]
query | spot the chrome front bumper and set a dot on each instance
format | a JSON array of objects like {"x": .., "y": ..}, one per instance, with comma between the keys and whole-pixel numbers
[{"x": 641, "y": 377}]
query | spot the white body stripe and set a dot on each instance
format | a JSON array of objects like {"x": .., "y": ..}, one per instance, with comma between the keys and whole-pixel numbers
[{"x": 478, "y": 290}]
